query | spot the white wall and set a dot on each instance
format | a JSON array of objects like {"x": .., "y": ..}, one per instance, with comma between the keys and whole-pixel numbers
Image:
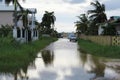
[{"x": 100, "y": 30}]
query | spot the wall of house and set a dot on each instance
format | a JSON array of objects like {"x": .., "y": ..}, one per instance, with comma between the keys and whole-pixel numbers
[{"x": 6, "y": 18}]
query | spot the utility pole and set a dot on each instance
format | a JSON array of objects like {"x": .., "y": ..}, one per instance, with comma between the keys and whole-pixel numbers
[
  {"x": 15, "y": 14},
  {"x": 15, "y": 19}
]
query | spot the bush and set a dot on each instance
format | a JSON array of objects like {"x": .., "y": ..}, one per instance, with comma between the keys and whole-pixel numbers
[{"x": 5, "y": 30}]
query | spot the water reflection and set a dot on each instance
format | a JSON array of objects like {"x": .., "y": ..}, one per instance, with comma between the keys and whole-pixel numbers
[
  {"x": 48, "y": 57},
  {"x": 62, "y": 60},
  {"x": 92, "y": 65},
  {"x": 14, "y": 69},
  {"x": 14, "y": 74}
]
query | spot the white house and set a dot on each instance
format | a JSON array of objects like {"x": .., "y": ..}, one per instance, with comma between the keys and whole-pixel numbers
[{"x": 20, "y": 33}]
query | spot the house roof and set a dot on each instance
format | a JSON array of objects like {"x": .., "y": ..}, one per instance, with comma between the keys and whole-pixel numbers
[
  {"x": 116, "y": 17},
  {"x": 32, "y": 10},
  {"x": 5, "y": 8}
]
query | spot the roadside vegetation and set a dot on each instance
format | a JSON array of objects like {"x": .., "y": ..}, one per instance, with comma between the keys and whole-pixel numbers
[
  {"x": 89, "y": 24},
  {"x": 99, "y": 50},
  {"x": 15, "y": 56}
]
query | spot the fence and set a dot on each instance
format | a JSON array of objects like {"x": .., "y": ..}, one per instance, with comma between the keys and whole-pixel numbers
[{"x": 103, "y": 40}]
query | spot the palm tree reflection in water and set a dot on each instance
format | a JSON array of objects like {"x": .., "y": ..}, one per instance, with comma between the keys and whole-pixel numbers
[
  {"x": 94, "y": 63},
  {"x": 48, "y": 57}
]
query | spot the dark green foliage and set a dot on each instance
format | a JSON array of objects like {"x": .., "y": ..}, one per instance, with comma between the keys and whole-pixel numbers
[
  {"x": 5, "y": 30},
  {"x": 88, "y": 25},
  {"x": 99, "y": 50},
  {"x": 92, "y": 29},
  {"x": 25, "y": 18},
  {"x": 47, "y": 23},
  {"x": 82, "y": 24},
  {"x": 109, "y": 30}
]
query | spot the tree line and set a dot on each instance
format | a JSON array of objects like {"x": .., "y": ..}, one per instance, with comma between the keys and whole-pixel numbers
[{"x": 89, "y": 22}]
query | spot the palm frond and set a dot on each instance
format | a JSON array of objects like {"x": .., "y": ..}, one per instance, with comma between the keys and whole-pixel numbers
[
  {"x": 93, "y": 15},
  {"x": 93, "y": 4},
  {"x": 103, "y": 7},
  {"x": 92, "y": 11}
]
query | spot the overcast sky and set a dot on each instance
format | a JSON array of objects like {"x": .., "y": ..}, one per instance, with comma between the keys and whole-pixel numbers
[{"x": 67, "y": 10}]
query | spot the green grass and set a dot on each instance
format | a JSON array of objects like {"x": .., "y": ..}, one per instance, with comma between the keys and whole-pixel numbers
[
  {"x": 14, "y": 55},
  {"x": 99, "y": 50}
]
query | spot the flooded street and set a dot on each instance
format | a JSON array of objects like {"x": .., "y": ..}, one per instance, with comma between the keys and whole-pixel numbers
[{"x": 62, "y": 60}]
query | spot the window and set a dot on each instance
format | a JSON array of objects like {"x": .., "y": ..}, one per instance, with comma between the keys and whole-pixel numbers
[
  {"x": 18, "y": 33},
  {"x": 23, "y": 33},
  {"x": 34, "y": 33}
]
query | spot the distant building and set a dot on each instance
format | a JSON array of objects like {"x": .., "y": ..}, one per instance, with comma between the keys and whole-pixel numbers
[
  {"x": 115, "y": 17},
  {"x": 20, "y": 33}
]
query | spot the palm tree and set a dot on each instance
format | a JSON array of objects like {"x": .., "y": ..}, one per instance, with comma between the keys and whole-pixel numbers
[
  {"x": 96, "y": 15},
  {"x": 82, "y": 24},
  {"x": 24, "y": 15},
  {"x": 48, "y": 20}
]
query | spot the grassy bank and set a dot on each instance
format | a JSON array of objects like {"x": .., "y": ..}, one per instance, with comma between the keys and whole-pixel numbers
[
  {"x": 14, "y": 56},
  {"x": 99, "y": 50}
]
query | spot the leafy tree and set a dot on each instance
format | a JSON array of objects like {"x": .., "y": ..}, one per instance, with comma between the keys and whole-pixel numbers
[{"x": 48, "y": 20}]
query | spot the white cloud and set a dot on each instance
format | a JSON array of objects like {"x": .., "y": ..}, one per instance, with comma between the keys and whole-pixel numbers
[
  {"x": 115, "y": 12},
  {"x": 66, "y": 10},
  {"x": 65, "y": 27}
]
